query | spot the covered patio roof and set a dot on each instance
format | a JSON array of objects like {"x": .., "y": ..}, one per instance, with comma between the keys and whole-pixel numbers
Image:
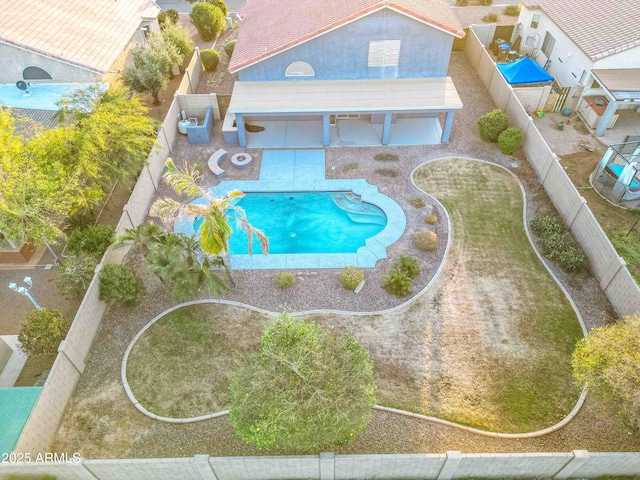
[
  {"x": 622, "y": 83},
  {"x": 345, "y": 96}
]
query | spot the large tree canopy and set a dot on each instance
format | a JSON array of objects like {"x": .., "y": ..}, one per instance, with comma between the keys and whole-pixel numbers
[
  {"x": 609, "y": 363},
  {"x": 305, "y": 390}
]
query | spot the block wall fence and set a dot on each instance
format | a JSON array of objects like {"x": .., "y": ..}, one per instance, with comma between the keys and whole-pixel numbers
[
  {"x": 41, "y": 428},
  {"x": 608, "y": 267},
  {"x": 327, "y": 466}
]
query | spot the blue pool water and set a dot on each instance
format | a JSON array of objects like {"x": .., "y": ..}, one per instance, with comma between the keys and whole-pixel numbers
[
  {"x": 41, "y": 96},
  {"x": 309, "y": 222}
]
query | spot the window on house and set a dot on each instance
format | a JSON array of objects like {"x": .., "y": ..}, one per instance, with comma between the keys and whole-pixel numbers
[
  {"x": 35, "y": 73},
  {"x": 548, "y": 44},
  {"x": 583, "y": 77},
  {"x": 530, "y": 41},
  {"x": 299, "y": 69},
  {"x": 535, "y": 21},
  {"x": 384, "y": 53}
]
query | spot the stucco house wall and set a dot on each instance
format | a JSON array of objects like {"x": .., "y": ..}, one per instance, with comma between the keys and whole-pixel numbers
[
  {"x": 14, "y": 59},
  {"x": 342, "y": 54}
]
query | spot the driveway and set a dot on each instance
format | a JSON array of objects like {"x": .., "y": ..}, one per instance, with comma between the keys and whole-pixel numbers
[{"x": 182, "y": 6}]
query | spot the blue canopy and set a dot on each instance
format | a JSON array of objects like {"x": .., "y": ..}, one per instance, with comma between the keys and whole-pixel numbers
[{"x": 524, "y": 71}]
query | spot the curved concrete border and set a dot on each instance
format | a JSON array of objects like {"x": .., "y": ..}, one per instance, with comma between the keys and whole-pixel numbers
[{"x": 476, "y": 431}]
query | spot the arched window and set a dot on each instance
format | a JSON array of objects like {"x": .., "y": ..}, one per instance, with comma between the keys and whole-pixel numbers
[
  {"x": 300, "y": 69},
  {"x": 35, "y": 73}
]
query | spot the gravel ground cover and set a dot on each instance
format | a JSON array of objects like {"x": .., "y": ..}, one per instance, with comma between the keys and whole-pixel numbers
[{"x": 100, "y": 422}]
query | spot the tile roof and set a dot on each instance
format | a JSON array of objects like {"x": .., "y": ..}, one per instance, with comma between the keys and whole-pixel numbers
[
  {"x": 88, "y": 33},
  {"x": 271, "y": 26},
  {"x": 599, "y": 28}
]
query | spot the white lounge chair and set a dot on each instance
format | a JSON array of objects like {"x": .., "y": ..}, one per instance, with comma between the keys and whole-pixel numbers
[{"x": 217, "y": 156}]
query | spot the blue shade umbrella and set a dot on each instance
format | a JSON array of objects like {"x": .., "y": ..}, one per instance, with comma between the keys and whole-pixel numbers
[{"x": 524, "y": 71}]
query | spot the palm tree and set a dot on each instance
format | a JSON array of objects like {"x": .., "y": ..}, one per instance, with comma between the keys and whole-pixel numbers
[
  {"x": 214, "y": 231},
  {"x": 142, "y": 237}
]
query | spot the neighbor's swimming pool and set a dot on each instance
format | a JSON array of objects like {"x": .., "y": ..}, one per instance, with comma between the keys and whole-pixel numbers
[
  {"x": 41, "y": 96},
  {"x": 307, "y": 222}
]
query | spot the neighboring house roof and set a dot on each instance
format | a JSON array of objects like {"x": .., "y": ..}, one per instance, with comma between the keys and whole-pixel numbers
[
  {"x": 272, "y": 26},
  {"x": 89, "y": 34},
  {"x": 599, "y": 28}
]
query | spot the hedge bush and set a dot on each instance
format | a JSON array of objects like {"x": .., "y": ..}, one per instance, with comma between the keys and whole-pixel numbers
[
  {"x": 510, "y": 140},
  {"x": 555, "y": 245},
  {"x": 170, "y": 15},
  {"x": 431, "y": 219},
  {"x": 426, "y": 240},
  {"x": 490, "y": 18},
  {"x": 208, "y": 20},
  {"x": 285, "y": 280},
  {"x": 121, "y": 284},
  {"x": 397, "y": 283},
  {"x": 492, "y": 125},
  {"x": 228, "y": 47},
  {"x": 42, "y": 332},
  {"x": 351, "y": 277},
  {"x": 417, "y": 202},
  {"x": 512, "y": 10},
  {"x": 409, "y": 265},
  {"x": 91, "y": 240},
  {"x": 210, "y": 59}
]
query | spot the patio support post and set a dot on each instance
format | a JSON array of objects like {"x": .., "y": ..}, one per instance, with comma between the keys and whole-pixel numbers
[
  {"x": 326, "y": 130},
  {"x": 386, "y": 128},
  {"x": 606, "y": 118},
  {"x": 242, "y": 134},
  {"x": 448, "y": 123}
]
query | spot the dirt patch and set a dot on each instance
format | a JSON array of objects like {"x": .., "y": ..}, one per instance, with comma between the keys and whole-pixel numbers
[{"x": 36, "y": 365}]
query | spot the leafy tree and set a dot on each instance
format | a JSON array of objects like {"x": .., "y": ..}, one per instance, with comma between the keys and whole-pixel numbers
[
  {"x": 215, "y": 230},
  {"x": 208, "y": 20},
  {"x": 120, "y": 283},
  {"x": 36, "y": 191},
  {"x": 182, "y": 267},
  {"x": 609, "y": 363},
  {"x": 42, "y": 332},
  {"x": 152, "y": 66},
  {"x": 306, "y": 389},
  {"x": 173, "y": 33},
  {"x": 167, "y": 17}
]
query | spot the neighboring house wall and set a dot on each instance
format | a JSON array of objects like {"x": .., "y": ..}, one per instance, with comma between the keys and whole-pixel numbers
[
  {"x": 567, "y": 60},
  {"x": 13, "y": 60},
  {"x": 343, "y": 53}
]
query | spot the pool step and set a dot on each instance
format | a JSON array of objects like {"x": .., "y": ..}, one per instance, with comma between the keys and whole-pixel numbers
[{"x": 357, "y": 211}]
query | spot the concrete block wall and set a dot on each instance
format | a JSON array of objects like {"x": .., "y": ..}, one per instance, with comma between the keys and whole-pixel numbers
[
  {"x": 265, "y": 468},
  {"x": 197, "y": 105},
  {"x": 349, "y": 467},
  {"x": 532, "y": 98},
  {"x": 515, "y": 465},
  {"x": 144, "y": 469},
  {"x": 191, "y": 77},
  {"x": 620, "y": 288}
]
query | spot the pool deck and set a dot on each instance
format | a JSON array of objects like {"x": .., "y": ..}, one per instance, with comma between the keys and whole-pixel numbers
[{"x": 304, "y": 171}]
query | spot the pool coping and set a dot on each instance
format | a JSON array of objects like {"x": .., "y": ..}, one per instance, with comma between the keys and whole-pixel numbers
[{"x": 367, "y": 256}]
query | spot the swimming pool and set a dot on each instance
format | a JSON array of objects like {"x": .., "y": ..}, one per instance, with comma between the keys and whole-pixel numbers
[
  {"x": 41, "y": 96},
  {"x": 307, "y": 222}
]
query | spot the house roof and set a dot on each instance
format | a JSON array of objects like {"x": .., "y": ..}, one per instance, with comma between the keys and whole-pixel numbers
[
  {"x": 272, "y": 26},
  {"x": 89, "y": 34},
  {"x": 598, "y": 28},
  {"x": 344, "y": 96}
]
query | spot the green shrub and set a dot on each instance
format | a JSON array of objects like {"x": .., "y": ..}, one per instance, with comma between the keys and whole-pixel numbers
[
  {"x": 75, "y": 275},
  {"x": 417, "y": 202},
  {"x": 351, "y": 277},
  {"x": 91, "y": 240},
  {"x": 510, "y": 140},
  {"x": 555, "y": 245},
  {"x": 397, "y": 283},
  {"x": 387, "y": 172},
  {"x": 487, "y": 3},
  {"x": 168, "y": 16},
  {"x": 42, "y": 332},
  {"x": 431, "y": 219},
  {"x": 121, "y": 284},
  {"x": 426, "y": 240},
  {"x": 490, "y": 18},
  {"x": 176, "y": 35},
  {"x": 210, "y": 59},
  {"x": 409, "y": 265},
  {"x": 386, "y": 157},
  {"x": 512, "y": 10},
  {"x": 492, "y": 125},
  {"x": 228, "y": 47},
  {"x": 219, "y": 4},
  {"x": 208, "y": 20},
  {"x": 285, "y": 280}
]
